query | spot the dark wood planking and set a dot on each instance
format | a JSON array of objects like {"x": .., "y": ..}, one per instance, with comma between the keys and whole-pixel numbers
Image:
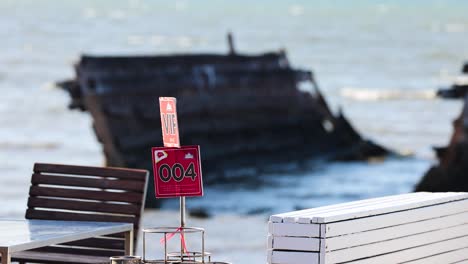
[
  {"x": 58, "y": 258},
  {"x": 178, "y": 83},
  {"x": 60, "y": 203},
  {"x": 102, "y": 202},
  {"x": 120, "y": 173},
  {"x": 101, "y": 183},
  {"x": 101, "y": 207},
  {"x": 85, "y": 194},
  {"x": 83, "y": 251},
  {"x": 121, "y": 235},
  {"x": 226, "y": 105},
  {"x": 104, "y": 243},
  {"x": 80, "y": 251},
  {"x": 68, "y": 216},
  {"x": 99, "y": 65}
]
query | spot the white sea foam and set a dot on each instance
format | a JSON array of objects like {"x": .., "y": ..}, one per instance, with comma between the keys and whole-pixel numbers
[
  {"x": 462, "y": 80},
  {"x": 181, "y": 5},
  {"x": 296, "y": 10},
  {"x": 135, "y": 40},
  {"x": 117, "y": 14},
  {"x": 89, "y": 13},
  {"x": 184, "y": 41},
  {"x": 455, "y": 28},
  {"x": 377, "y": 94}
]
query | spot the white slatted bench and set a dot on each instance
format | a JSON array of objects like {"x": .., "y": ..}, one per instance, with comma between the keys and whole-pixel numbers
[{"x": 413, "y": 228}]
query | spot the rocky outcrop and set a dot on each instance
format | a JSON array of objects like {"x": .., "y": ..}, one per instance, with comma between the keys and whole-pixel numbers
[
  {"x": 459, "y": 88},
  {"x": 451, "y": 173}
]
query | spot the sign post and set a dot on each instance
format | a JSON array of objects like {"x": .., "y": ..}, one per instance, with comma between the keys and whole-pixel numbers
[
  {"x": 177, "y": 170},
  {"x": 177, "y": 173}
]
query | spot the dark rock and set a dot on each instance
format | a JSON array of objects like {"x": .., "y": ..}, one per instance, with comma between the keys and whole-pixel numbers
[
  {"x": 451, "y": 174},
  {"x": 298, "y": 208},
  {"x": 199, "y": 213},
  {"x": 260, "y": 210},
  {"x": 456, "y": 91}
]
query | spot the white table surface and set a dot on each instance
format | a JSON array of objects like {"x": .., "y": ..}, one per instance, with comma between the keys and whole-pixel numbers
[{"x": 19, "y": 235}]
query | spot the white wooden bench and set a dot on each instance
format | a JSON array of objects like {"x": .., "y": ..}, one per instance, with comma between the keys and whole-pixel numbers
[{"x": 411, "y": 228}]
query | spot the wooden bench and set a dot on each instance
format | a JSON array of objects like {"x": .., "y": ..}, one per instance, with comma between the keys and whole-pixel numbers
[
  {"x": 412, "y": 228},
  {"x": 78, "y": 193}
]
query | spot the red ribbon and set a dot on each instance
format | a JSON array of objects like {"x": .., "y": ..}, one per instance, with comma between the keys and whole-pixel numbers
[{"x": 167, "y": 237}]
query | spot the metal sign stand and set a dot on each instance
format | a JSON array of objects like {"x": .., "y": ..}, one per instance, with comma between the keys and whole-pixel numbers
[
  {"x": 182, "y": 225},
  {"x": 193, "y": 257}
]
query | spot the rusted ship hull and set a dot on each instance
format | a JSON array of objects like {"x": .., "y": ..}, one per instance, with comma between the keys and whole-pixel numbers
[{"x": 242, "y": 110}]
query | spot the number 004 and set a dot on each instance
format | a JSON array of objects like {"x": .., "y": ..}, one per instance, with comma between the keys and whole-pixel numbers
[{"x": 177, "y": 172}]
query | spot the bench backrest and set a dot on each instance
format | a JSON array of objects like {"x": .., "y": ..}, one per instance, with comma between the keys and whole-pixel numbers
[{"x": 79, "y": 193}]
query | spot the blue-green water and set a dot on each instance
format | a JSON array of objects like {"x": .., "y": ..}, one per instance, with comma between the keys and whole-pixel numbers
[{"x": 379, "y": 60}]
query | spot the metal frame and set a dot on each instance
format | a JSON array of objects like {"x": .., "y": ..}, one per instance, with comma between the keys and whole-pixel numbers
[{"x": 176, "y": 257}]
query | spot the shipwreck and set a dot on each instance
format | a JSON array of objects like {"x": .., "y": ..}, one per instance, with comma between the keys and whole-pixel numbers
[
  {"x": 243, "y": 110},
  {"x": 451, "y": 172}
]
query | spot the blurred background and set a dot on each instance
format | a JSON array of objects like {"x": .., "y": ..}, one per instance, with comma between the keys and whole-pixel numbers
[{"x": 381, "y": 61}]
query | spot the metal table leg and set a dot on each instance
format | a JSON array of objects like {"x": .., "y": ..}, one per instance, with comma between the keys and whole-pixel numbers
[
  {"x": 128, "y": 243},
  {"x": 6, "y": 256}
]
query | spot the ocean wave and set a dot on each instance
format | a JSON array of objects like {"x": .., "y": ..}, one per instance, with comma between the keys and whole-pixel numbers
[
  {"x": 455, "y": 28},
  {"x": 449, "y": 27},
  {"x": 296, "y": 10},
  {"x": 365, "y": 94},
  {"x": 22, "y": 146},
  {"x": 462, "y": 79}
]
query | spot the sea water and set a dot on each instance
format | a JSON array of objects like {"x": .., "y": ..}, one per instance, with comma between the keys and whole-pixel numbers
[{"x": 379, "y": 61}]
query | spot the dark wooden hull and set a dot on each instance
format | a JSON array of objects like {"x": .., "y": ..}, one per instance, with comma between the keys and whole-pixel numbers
[{"x": 242, "y": 110}]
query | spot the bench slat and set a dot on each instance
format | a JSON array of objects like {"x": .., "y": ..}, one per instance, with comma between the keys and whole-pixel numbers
[
  {"x": 305, "y": 219},
  {"x": 399, "y": 244},
  {"x": 279, "y": 217},
  {"x": 102, "y": 207},
  {"x": 417, "y": 253},
  {"x": 306, "y": 244},
  {"x": 58, "y": 258},
  {"x": 54, "y": 215},
  {"x": 102, "y": 183},
  {"x": 291, "y": 257},
  {"x": 455, "y": 256},
  {"x": 393, "y": 232},
  {"x": 294, "y": 230},
  {"x": 376, "y": 222},
  {"x": 78, "y": 251},
  {"x": 131, "y": 174},
  {"x": 85, "y": 194},
  {"x": 102, "y": 243},
  {"x": 388, "y": 207}
]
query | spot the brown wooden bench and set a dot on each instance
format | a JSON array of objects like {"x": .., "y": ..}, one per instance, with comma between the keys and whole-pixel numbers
[{"x": 78, "y": 193}]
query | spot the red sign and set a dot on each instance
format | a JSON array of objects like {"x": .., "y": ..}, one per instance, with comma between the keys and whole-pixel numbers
[
  {"x": 177, "y": 172},
  {"x": 169, "y": 124}
]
